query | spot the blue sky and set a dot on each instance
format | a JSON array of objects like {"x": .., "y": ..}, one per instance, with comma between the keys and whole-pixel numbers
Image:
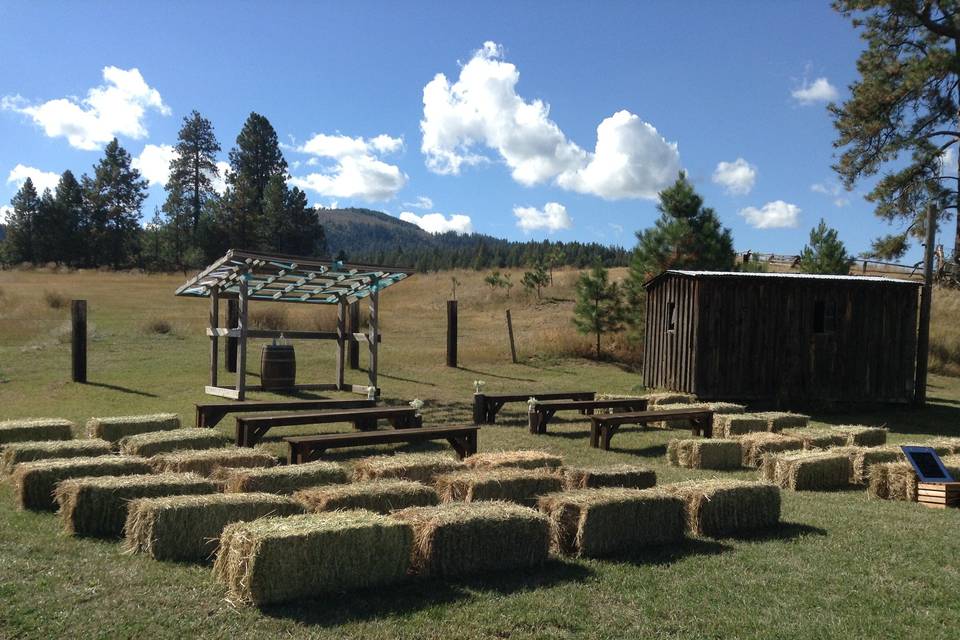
[{"x": 505, "y": 142}]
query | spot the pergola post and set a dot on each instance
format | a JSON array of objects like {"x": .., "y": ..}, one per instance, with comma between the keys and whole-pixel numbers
[
  {"x": 242, "y": 342},
  {"x": 353, "y": 326},
  {"x": 214, "y": 341},
  {"x": 374, "y": 335},
  {"x": 341, "y": 342}
]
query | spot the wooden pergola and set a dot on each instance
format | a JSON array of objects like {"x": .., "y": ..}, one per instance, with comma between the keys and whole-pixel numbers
[{"x": 247, "y": 275}]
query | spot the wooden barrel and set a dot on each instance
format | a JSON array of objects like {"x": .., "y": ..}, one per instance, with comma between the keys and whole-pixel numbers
[{"x": 278, "y": 366}]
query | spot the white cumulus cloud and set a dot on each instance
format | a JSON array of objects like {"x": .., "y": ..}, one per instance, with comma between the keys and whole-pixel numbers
[
  {"x": 422, "y": 202},
  {"x": 219, "y": 182},
  {"x": 820, "y": 90},
  {"x": 773, "y": 215},
  {"x": 831, "y": 190},
  {"x": 354, "y": 168},
  {"x": 553, "y": 217},
  {"x": 439, "y": 223},
  {"x": 115, "y": 108},
  {"x": 153, "y": 163},
  {"x": 737, "y": 177},
  {"x": 6, "y": 211},
  {"x": 42, "y": 180},
  {"x": 483, "y": 109}
]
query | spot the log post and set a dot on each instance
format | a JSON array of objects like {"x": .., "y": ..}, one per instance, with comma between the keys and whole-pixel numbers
[
  {"x": 374, "y": 336},
  {"x": 230, "y": 347},
  {"x": 341, "y": 340},
  {"x": 452, "y": 333},
  {"x": 926, "y": 297},
  {"x": 513, "y": 346},
  {"x": 214, "y": 340},
  {"x": 242, "y": 341},
  {"x": 353, "y": 347},
  {"x": 78, "y": 343}
]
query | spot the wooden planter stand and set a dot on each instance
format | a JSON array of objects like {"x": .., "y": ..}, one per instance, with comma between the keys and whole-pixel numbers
[{"x": 939, "y": 495}]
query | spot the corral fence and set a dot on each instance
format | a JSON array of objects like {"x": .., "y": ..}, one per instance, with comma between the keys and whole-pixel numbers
[{"x": 945, "y": 272}]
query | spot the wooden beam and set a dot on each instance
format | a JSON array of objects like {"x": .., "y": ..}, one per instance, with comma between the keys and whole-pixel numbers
[
  {"x": 353, "y": 347},
  {"x": 222, "y": 392},
  {"x": 452, "y": 333},
  {"x": 214, "y": 341},
  {"x": 926, "y": 296},
  {"x": 272, "y": 333},
  {"x": 242, "y": 342},
  {"x": 233, "y": 315},
  {"x": 78, "y": 340},
  {"x": 341, "y": 340},
  {"x": 374, "y": 336}
]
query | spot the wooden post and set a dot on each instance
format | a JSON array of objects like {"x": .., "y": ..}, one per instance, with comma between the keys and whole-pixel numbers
[
  {"x": 374, "y": 336},
  {"x": 233, "y": 318},
  {"x": 242, "y": 341},
  {"x": 513, "y": 347},
  {"x": 214, "y": 341},
  {"x": 926, "y": 297},
  {"x": 452, "y": 333},
  {"x": 341, "y": 338},
  {"x": 353, "y": 326},
  {"x": 78, "y": 344}
]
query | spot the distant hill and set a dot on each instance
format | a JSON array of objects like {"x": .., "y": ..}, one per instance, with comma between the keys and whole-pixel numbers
[{"x": 363, "y": 235}]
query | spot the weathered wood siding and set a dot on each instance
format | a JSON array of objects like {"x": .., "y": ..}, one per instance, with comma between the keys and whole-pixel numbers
[{"x": 756, "y": 339}]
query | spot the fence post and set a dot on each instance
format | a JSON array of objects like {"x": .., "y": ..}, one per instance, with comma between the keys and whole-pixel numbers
[
  {"x": 353, "y": 326},
  {"x": 230, "y": 345},
  {"x": 926, "y": 297},
  {"x": 451, "y": 333},
  {"x": 78, "y": 345}
]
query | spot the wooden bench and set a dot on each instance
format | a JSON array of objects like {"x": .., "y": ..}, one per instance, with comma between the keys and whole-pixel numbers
[
  {"x": 541, "y": 413},
  {"x": 251, "y": 429},
  {"x": 210, "y": 415},
  {"x": 603, "y": 427},
  {"x": 307, "y": 448},
  {"x": 486, "y": 406}
]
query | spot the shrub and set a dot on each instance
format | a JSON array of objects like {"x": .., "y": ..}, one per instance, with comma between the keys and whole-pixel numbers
[{"x": 55, "y": 300}]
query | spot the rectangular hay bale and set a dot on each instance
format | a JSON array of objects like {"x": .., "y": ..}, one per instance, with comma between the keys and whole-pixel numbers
[
  {"x": 114, "y": 428},
  {"x": 898, "y": 480},
  {"x": 718, "y": 508},
  {"x": 97, "y": 506},
  {"x": 32, "y": 451},
  {"x": 156, "y": 442},
  {"x": 206, "y": 462},
  {"x": 704, "y": 453},
  {"x": 187, "y": 528},
  {"x": 818, "y": 437},
  {"x": 284, "y": 479},
  {"x": 808, "y": 470},
  {"x": 34, "y": 482},
  {"x": 777, "y": 421},
  {"x": 862, "y": 436},
  {"x": 34, "y": 429},
  {"x": 736, "y": 424},
  {"x": 511, "y": 484},
  {"x": 863, "y": 459},
  {"x": 523, "y": 459},
  {"x": 418, "y": 467},
  {"x": 668, "y": 397},
  {"x": 755, "y": 445},
  {"x": 379, "y": 496},
  {"x": 275, "y": 560},
  {"x": 593, "y": 523},
  {"x": 461, "y": 538},
  {"x": 627, "y": 476}
]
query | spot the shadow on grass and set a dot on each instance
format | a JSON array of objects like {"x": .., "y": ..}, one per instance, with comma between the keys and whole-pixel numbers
[
  {"x": 787, "y": 531},
  {"x": 114, "y": 387},
  {"x": 670, "y": 553},
  {"x": 494, "y": 375},
  {"x": 554, "y": 572},
  {"x": 381, "y": 374}
]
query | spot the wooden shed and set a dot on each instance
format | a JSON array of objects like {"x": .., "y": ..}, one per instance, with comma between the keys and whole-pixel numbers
[{"x": 782, "y": 338}]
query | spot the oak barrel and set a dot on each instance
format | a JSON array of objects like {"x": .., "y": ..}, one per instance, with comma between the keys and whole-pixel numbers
[{"x": 278, "y": 366}]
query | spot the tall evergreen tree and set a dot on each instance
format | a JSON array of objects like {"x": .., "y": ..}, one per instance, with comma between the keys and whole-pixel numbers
[
  {"x": 825, "y": 254},
  {"x": 194, "y": 167},
  {"x": 115, "y": 194},
  {"x": 903, "y": 111},
  {"x": 599, "y": 307},
  {"x": 21, "y": 224},
  {"x": 74, "y": 217}
]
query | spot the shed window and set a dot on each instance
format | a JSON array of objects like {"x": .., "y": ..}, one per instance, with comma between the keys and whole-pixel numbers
[
  {"x": 824, "y": 316},
  {"x": 671, "y": 316}
]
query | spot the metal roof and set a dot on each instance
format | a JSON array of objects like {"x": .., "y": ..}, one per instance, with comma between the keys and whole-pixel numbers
[
  {"x": 778, "y": 276},
  {"x": 282, "y": 278}
]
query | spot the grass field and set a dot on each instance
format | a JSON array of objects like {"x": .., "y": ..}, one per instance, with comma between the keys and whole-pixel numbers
[{"x": 842, "y": 566}]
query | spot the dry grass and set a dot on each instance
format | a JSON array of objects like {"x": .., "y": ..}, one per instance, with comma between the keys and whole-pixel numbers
[
  {"x": 379, "y": 496},
  {"x": 206, "y": 462},
  {"x": 945, "y": 332},
  {"x": 511, "y": 484},
  {"x": 754, "y": 446},
  {"x": 115, "y": 428},
  {"x": 717, "y": 508},
  {"x": 275, "y": 560},
  {"x": 187, "y": 528},
  {"x": 157, "y": 442},
  {"x": 458, "y": 538},
  {"x": 98, "y": 506},
  {"x": 18, "y": 452},
  {"x": 418, "y": 467},
  {"x": 285, "y": 479},
  {"x": 701, "y": 453},
  {"x": 34, "y": 482},
  {"x": 35, "y": 429},
  {"x": 626, "y": 476},
  {"x": 807, "y": 470},
  {"x": 598, "y": 522},
  {"x": 525, "y": 459}
]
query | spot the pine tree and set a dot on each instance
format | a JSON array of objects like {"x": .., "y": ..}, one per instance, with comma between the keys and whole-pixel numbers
[
  {"x": 115, "y": 193},
  {"x": 599, "y": 307},
  {"x": 825, "y": 254},
  {"x": 903, "y": 111},
  {"x": 21, "y": 225},
  {"x": 74, "y": 217},
  {"x": 536, "y": 279}
]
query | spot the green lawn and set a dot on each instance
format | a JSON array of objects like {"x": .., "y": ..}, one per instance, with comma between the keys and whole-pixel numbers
[{"x": 841, "y": 566}]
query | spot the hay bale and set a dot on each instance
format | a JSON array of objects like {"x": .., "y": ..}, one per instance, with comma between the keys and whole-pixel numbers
[
  {"x": 273, "y": 560},
  {"x": 622, "y": 475},
  {"x": 187, "y": 528},
  {"x": 807, "y": 470},
  {"x": 525, "y": 459},
  {"x": 668, "y": 397},
  {"x": 736, "y": 424},
  {"x": 755, "y": 445},
  {"x": 863, "y": 459},
  {"x": 593, "y": 523},
  {"x": 31, "y": 451},
  {"x": 379, "y": 496},
  {"x": 777, "y": 421},
  {"x": 898, "y": 480},
  {"x": 97, "y": 506},
  {"x": 460, "y": 538},
  {"x": 206, "y": 462},
  {"x": 115, "y": 428},
  {"x": 951, "y": 445},
  {"x": 717, "y": 508},
  {"x": 284, "y": 480},
  {"x": 511, "y": 484},
  {"x": 818, "y": 438},
  {"x": 34, "y": 482},
  {"x": 34, "y": 429},
  {"x": 417, "y": 467},
  {"x": 725, "y": 408},
  {"x": 861, "y": 436},
  {"x": 704, "y": 453},
  {"x": 157, "y": 442}
]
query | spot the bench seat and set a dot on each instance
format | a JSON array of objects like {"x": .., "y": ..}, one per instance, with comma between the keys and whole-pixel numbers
[
  {"x": 251, "y": 429},
  {"x": 210, "y": 414},
  {"x": 307, "y": 448},
  {"x": 603, "y": 427},
  {"x": 541, "y": 413},
  {"x": 486, "y": 405}
]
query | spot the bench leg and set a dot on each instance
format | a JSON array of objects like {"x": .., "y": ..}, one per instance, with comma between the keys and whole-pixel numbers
[
  {"x": 594, "y": 434},
  {"x": 607, "y": 434},
  {"x": 199, "y": 420},
  {"x": 365, "y": 424},
  {"x": 533, "y": 421},
  {"x": 479, "y": 408},
  {"x": 241, "y": 435}
]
